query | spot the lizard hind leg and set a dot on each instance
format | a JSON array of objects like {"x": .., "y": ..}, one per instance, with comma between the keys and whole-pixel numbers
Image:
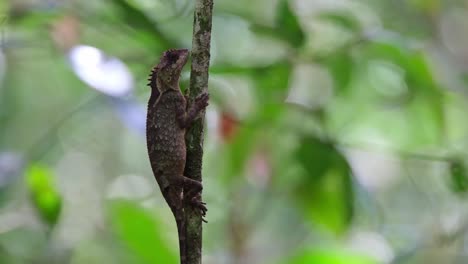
[{"x": 192, "y": 195}]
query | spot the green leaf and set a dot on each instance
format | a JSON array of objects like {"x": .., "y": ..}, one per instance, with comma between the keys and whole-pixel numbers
[
  {"x": 427, "y": 104},
  {"x": 34, "y": 20},
  {"x": 272, "y": 81},
  {"x": 325, "y": 192},
  {"x": 45, "y": 197},
  {"x": 458, "y": 177},
  {"x": 340, "y": 66},
  {"x": 419, "y": 75},
  {"x": 233, "y": 69},
  {"x": 141, "y": 233},
  {"x": 390, "y": 49},
  {"x": 330, "y": 257},
  {"x": 288, "y": 26},
  {"x": 135, "y": 17},
  {"x": 429, "y": 6},
  {"x": 266, "y": 30},
  {"x": 341, "y": 18}
]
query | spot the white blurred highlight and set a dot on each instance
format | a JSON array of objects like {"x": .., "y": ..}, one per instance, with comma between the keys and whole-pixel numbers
[
  {"x": 373, "y": 245},
  {"x": 311, "y": 86},
  {"x": 375, "y": 171},
  {"x": 106, "y": 74},
  {"x": 454, "y": 32}
]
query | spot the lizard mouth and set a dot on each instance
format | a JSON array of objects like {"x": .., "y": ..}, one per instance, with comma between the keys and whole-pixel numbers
[{"x": 184, "y": 55}]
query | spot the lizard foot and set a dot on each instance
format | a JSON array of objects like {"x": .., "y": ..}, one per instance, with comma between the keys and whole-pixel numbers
[{"x": 197, "y": 203}]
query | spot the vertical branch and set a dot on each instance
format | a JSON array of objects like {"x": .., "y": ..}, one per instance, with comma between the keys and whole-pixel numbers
[{"x": 194, "y": 141}]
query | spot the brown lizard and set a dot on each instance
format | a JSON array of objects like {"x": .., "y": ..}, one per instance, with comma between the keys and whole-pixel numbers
[{"x": 167, "y": 121}]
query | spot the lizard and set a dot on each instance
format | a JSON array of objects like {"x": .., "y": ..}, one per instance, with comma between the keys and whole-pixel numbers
[{"x": 168, "y": 118}]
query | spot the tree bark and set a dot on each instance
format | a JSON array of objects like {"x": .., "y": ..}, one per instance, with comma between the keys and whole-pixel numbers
[{"x": 198, "y": 83}]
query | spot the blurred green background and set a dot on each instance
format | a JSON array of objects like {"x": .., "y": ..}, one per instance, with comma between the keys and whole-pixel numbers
[{"x": 336, "y": 132}]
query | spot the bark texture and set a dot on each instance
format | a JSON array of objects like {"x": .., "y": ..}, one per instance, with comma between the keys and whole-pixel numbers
[{"x": 194, "y": 139}]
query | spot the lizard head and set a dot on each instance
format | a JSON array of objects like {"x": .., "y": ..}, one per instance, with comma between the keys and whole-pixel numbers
[{"x": 166, "y": 74}]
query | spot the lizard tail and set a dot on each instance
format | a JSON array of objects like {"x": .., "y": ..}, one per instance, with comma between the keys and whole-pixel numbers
[{"x": 182, "y": 242}]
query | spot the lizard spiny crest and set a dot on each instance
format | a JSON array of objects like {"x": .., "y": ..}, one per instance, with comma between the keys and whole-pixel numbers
[{"x": 153, "y": 77}]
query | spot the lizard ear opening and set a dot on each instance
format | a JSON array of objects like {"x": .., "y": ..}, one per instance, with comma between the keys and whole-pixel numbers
[{"x": 172, "y": 57}]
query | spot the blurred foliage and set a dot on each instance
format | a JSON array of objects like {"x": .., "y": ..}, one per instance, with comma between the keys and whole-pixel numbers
[
  {"x": 326, "y": 195},
  {"x": 336, "y": 131},
  {"x": 459, "y": 178},
  {"x": 44, "y": 195},
  {"x": 140, "y": 231},
  {"x": 331, "y": 257}
]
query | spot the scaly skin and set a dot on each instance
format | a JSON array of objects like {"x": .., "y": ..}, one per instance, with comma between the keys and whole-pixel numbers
[{"x": 167, "y": 120}]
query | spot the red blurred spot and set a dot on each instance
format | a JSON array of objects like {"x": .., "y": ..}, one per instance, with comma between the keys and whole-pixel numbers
[
  {"x": 228, "y": 127},
  {"x": 65, "y": 32}
]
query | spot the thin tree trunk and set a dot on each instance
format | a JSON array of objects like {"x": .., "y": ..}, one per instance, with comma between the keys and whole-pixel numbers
[{"x": 198, "y": 83}]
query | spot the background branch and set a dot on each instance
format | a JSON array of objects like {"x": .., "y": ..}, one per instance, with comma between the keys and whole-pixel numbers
[{"x": 198, "y": 83}]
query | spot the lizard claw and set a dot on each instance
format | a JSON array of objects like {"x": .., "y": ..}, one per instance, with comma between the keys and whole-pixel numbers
[
  {"x": 196, "y": 202},
  {"x": 202, "y": 100}
]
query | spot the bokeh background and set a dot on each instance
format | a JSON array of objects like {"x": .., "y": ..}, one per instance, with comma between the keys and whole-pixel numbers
[{"x": 336, "y": 132}]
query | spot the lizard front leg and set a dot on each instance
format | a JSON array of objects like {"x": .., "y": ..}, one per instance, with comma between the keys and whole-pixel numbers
[{"x": 185, "y": 117}]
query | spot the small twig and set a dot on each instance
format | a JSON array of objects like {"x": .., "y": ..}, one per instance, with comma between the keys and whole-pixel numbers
[
  {"x": 371, "y": 147},
  {"x": 45, "y": 142},
  {"x": 400, "y": 152},
  {"x": 194, "y": 141}
]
